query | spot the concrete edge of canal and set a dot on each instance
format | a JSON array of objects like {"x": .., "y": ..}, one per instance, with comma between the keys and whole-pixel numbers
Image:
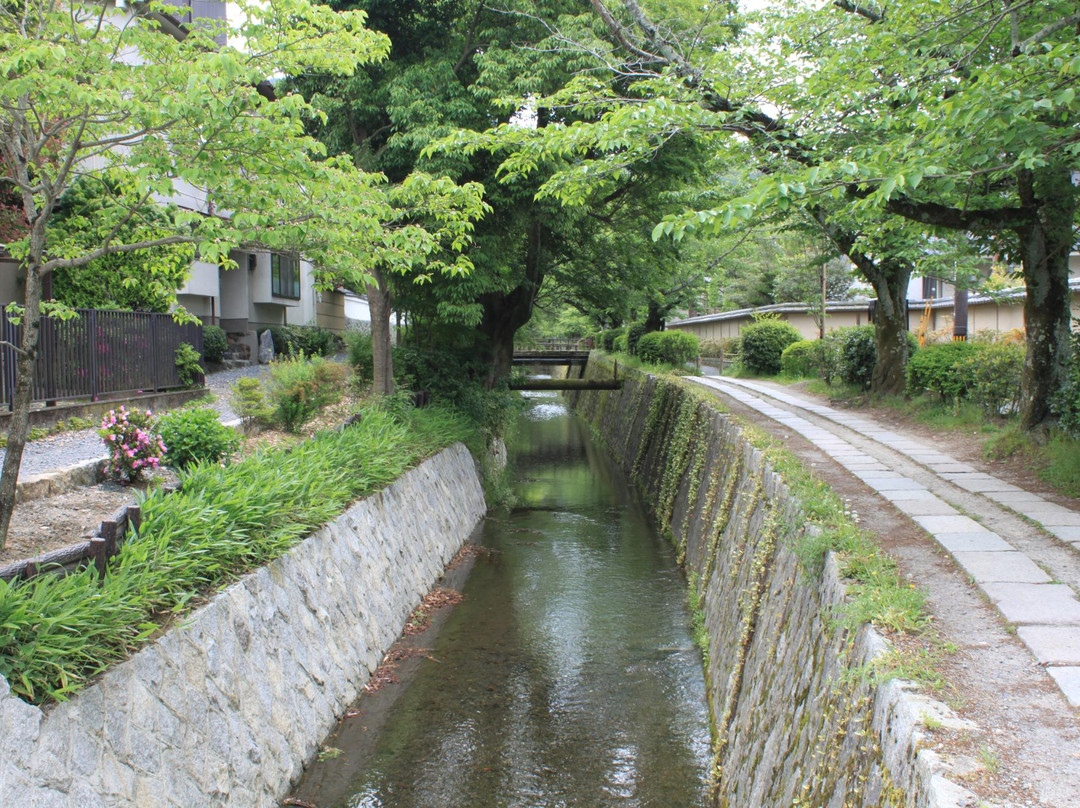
[
  {"x": 227, "y": 707},
  {"x": 797, "y": 719}
]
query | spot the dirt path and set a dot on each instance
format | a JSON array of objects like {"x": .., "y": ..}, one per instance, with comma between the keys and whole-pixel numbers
[{"x": 1026, "y": 750}]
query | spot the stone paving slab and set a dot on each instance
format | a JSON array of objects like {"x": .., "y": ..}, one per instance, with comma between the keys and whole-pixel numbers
[
  {"x": 1040, "y": 604},
  {"x": 1068, "y": 679},
  {"x": 955, "y": 523},
  {"x": 925, "y": 507},
  {"x": 996, "y": 567},
  {"x": 1065, "y": 533},
  {"x": 978, "y": 541},
  {"x": 1052, "y": 645}
]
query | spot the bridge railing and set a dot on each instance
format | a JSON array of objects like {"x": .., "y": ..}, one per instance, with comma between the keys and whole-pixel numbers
[{"x": 553, "y": 344}]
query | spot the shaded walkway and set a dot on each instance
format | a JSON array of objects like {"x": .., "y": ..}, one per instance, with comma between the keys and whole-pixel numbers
[{"x": 1030, "y": 574}]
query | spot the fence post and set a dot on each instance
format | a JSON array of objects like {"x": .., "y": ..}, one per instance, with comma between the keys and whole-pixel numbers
[
  {"x": 92, "y": 338},
  {"x": 154, "y": 351},
  {"x": 7, "y": 332},
  {"x": 97, "y": 554}
]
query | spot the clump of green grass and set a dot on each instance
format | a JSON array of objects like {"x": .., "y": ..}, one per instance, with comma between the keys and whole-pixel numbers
[{"x": 56, "y": 633}]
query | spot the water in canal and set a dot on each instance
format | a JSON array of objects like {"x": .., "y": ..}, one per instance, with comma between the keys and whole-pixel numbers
[{"x": 567, "y": 677}]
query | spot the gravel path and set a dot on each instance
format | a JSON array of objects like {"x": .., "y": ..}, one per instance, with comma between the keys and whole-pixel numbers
[{"x": 70, "y": 448}]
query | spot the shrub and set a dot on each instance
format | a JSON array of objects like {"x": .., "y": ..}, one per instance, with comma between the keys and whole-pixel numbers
[
  {"x": 132, "y": 443},
  {"x": 670, "y": 347},
  {"x": 187, "y": 364},
  {"x": 361, "y": 358},
  {"x": 858, "y": 355},
  {"x": 621, "y": 343},
  {"x": 196, "y": 436},
  {"x": 763, "y": 342},
  {"x": 300, "y": 387},
  {"x": 719, "y": 348},
  {"x": 633, "y": 334},
  {"x": 215, "y": 343},
  {"x": 993, "y": 375},
  {"x": 248, "y": 399},
  {"x": 607, "y": 338},
  {"x": 309, "y": 340},
  {"x": 801, "y": 358},
  {"x": 936, "y": 368}
]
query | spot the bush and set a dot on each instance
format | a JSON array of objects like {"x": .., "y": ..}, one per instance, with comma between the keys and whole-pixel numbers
[
  {"x": 719, "y": 348},
  {"x": 248, "y": 399},
  {"x": 132, "y": 443},
  {"x": 187, "y": 364},
  {"x": 802, "y": 358},
  {"x": 858, "y": 355},
  {"x": 309, "y": 340},
  {"x": 361, "y": 358},
  {"x": 633, "y": 334},
  {"x": 668, "y": 347},
  {"x": 936, "y": 368},
  {"x": 763, "y": 343},
  {"x": 196, "y": 436},
  {"x": 215, "y": 343},
  {"x": 607, "y": 338},
  {"x": 300, "y": 387},
  {"x": 993, "y": 377},
  {"x": 622, "y": 344}
]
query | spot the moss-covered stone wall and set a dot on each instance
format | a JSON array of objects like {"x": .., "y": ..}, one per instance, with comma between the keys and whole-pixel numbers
[{"x": 798, "y": 720}]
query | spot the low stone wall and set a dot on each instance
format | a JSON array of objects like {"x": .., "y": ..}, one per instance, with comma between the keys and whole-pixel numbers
[
  {"x": 226, "y": 707},
  {"x": 797, "y": 721}
]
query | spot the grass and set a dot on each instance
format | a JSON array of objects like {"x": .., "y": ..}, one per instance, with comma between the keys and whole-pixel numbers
[{"x": 57, "y": 633}]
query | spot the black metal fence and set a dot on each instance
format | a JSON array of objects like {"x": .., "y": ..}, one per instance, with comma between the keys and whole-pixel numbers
[{"x": 99, "y": 353}]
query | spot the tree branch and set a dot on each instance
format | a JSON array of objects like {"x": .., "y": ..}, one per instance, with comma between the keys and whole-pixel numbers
[
  {"x": 863, "y": 11},
  {"x": 1049, "y": 30},
  {"x": 113, "y": 249},
  {"x": 975, "y": 221}
]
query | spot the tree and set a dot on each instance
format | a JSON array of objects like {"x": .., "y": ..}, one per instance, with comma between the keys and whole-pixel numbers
[{"x": 76, "y": 104}]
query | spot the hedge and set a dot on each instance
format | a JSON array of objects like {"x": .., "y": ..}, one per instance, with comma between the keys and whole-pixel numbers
[
  {"x": 763, "y": 343},
  {"x": 667, "y": 347}
]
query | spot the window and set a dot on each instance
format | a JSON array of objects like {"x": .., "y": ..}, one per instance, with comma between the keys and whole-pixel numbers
[{"x": 285, "y": 276}]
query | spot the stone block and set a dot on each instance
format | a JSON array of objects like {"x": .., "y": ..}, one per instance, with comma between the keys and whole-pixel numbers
[
  {"x": 1068, "y": 679},
  {"x": 948, "y": 524},
  {"x": 1052, "y": 645},
  {"x": 1012, "y": 566},
  {"x": 1042, "y": 604},
  {"x": 974, "y": 541}
]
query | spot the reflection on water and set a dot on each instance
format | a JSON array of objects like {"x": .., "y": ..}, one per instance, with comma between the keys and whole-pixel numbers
[{"x": 566, "y": 678}]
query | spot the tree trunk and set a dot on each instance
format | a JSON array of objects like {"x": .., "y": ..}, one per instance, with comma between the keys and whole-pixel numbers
[
  {"x": 889, "y": 277},
  {"x": 505, "y": 313},
  {"x": 890, "y": 281},
  {"x": 1044, "y": 248},
  {"x": 381, "y": 350},
  {"x": 654, "y": 319},
  {"x": 23, "y": 394}
]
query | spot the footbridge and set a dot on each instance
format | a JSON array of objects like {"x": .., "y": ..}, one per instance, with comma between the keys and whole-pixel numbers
[{"x": 560, "y": 353}]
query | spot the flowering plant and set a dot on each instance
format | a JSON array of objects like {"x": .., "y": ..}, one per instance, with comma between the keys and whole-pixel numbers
[{"x": 133, "y": 444}]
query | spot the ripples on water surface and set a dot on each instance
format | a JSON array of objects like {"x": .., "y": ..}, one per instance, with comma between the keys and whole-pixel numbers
[{"x": 566, "y": 678}]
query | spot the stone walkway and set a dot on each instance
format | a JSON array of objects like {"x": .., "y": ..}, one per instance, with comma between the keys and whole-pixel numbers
[{"x": 1043, "y": 607}]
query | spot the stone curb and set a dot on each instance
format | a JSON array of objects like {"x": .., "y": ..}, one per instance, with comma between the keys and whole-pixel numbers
[{"x": 36, "y": 486}]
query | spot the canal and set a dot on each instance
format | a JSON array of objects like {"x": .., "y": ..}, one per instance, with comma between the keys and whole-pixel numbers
[{"x": 567, "y": 675}]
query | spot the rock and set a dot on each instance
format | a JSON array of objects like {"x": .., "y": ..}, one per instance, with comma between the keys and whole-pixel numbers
[{"x": 266, "y": 348}]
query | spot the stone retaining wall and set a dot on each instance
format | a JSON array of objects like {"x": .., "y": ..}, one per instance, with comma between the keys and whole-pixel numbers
[
  {"x": 225, "y": 708},
  {"x": 798, "y": 722}
]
